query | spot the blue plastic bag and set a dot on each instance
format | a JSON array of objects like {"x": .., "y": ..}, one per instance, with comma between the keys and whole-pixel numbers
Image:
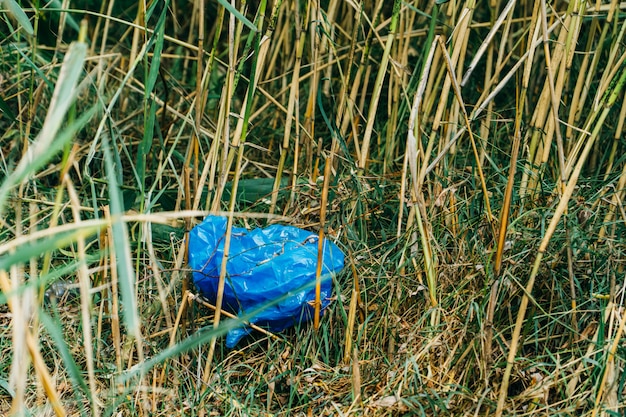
[{"x": 263, "y": 265}]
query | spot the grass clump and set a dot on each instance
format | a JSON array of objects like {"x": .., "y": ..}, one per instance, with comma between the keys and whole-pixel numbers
[{"x": 466, "y": 157}]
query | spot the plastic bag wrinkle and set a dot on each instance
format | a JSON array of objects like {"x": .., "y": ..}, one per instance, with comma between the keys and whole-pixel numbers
[{"x": 265, "y": 265}]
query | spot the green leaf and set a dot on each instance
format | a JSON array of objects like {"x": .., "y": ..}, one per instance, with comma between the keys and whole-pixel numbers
[
  {"x": 28, "y": 164},
  {"x": 4, "y": 384},
  {"x": 56, "y": 4},
  {"x": 45, "y": 145},
  {"x": 29, "y": 62},
  {"x": 150, "y": 105},
  {"x": 55, "y": 331},
  {"x": 238, "y": 15},
  {"x": 35, "y": 248},
  {"x": 16, "y": 11},
  {"x": 122, "y": 245}
]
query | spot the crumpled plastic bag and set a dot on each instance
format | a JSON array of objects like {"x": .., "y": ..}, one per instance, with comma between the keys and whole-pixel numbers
[{"x": 263, "y": 266}]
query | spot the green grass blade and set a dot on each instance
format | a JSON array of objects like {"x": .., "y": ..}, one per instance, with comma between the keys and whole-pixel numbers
[
  {"x": 54, "y": 330},
  {"x": 150, "y": 106},
  {"x": 56, "y": 4},
  {"x": 29, "y": 62},
  {"x": 30, "y": 164},
  {"x": 32, "y": 250},
  {"x": 16, "y": 11},
  {"x": 4, "y": 384},
  {"x": 64, "y": 94},
  {"x": 238, "y": 15},
  {"x": 122, "y": 245}
]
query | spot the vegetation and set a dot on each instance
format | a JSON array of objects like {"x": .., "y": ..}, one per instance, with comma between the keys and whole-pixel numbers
[{"x": 466, "y": 156}]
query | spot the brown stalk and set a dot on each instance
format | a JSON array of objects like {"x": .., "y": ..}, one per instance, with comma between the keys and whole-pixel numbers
[
  {"x": 616, "y": 138},
  {"x": 33, "y": 211},
  {"x": 139, "y": 29},
  {"x": 223, "y": 135},
  {"x": 459, "y": 40},
  {"x": 356, "y": 378},
  {"x": 314, "y": 16},
  {"x": 487, "y": 41},
  {"x": 320, "y": 242},
  {"x": 508, "y": 192},
  {"x": 187, "y": 297},
  {"x": 354, "y": 299},
  {"x": 505, "y": 211},
  {"x": 528, "y": 55},
  {"x": 200, "y": 94},
  {"x": 222, "y": 129}
]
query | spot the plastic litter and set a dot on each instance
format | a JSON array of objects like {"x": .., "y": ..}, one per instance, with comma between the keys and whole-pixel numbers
[{"x": 264, "y": 265}]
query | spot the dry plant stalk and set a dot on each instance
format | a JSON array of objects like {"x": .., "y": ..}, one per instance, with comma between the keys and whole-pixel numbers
[
  {"x": 320, "y": 243},
  {"x": 84, "y": 281},
  {"x": 355, "y": 301},
  {"x": 378, "y": 85},
  {"x": 429, "y": 258},
  {"x": 32, "y": 348}
]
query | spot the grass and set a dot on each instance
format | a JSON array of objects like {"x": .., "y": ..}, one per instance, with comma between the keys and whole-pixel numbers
[{"x": 465, "y": 156}]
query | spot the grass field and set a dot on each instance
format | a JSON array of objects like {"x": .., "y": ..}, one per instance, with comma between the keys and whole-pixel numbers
[{"x": 467, "y": 157}]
